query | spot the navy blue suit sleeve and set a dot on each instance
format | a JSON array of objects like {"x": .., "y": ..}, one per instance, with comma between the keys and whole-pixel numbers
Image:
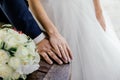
[{"x": 18, "y": 14}]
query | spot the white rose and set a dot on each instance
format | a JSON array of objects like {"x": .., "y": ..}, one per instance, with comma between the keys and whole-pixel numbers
[
  {"x": 5, "y": 71},
  {"x": 22, "y": 38},
  {"x": 33, "y": 64},
  {"x": 23, "y": 76},
  {"x": 2, "y": 34},
  {"x": 27, "y": 69},
  {"x": 15, "y": 76},
  {"x": 11, "y": 31},
  {"x": 31, "y": 59},
  {"x": 10, "y": 42},
  {"x": 37, "y": 58},
  {"x": 14, "y": 62},
  {"x": 31, "y": 45},
  {"x": 4, "y": 57},
  {"x": 22, "y": 52}
]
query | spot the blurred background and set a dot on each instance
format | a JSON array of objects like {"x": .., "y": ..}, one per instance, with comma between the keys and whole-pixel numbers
[{"x": 112, "y": 7}]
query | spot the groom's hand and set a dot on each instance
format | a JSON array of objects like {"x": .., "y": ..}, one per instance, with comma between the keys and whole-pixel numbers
[{"x": 47, "y": 52}]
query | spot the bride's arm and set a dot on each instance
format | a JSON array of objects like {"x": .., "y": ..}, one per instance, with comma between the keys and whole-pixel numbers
[
  {"x": 99, "y": 14},
  {"x": 56, "y": 40},
  {"x": 41, "y": 16}
]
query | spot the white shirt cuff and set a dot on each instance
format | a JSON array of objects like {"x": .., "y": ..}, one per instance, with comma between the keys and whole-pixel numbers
[{"x": 39, "y": 38}]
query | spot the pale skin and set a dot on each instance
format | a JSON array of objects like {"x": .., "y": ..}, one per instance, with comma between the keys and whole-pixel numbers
[
  {"x": 99, "y": 14},
  {"x": 57, "y": 47}
]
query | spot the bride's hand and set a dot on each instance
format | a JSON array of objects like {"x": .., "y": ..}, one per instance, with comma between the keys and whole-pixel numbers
[
  {"x": 57, "y": 41},
  {"x": 61, "y": 47}
]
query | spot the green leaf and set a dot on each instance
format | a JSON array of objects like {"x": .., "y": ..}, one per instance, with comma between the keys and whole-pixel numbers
[{"x": 12, "y": 51}]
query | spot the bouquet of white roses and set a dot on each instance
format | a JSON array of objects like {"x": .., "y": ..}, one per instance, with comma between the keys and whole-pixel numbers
[{"x": 18, "y": 56}]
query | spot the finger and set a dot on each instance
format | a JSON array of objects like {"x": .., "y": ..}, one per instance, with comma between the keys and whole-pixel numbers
[
  {"x": 70, "y": 52},
  {"x": 45, "y": 56},
  {"x": 57, "y": 50},
  {"x": 65, "y": 61},
  {"x": 63, "y": 54},
  {"x": 53, "y": 56},
  {"x": 67, "y": 53}
]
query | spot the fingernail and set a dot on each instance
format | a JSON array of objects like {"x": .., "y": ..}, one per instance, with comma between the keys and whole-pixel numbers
[
  {"x": 66, "y": 61},
  {"x": 61, "y": 62},
  {"x": 65, "y": 58},
  {"x": 51, "y": 62},
  {"x": 69, "y": 60}
]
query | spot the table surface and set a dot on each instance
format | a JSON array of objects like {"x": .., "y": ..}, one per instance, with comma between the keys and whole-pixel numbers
[{"x": 51, "y": 72}]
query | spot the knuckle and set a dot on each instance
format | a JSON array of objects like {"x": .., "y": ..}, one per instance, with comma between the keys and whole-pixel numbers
[
  {"x": 66, "y": 51},
  {"x": 56, "y": 59},
  {"x": 62, "y": 51},
  {"x": 53, "y": 55},
  {"x": 44, "y": 55},
  {"x": 40, "y": 52}
]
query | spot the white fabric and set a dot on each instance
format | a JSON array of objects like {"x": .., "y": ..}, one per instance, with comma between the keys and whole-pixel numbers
[
  {"x": 39, "y": 38},
  {"x": 96, "y": 53}
]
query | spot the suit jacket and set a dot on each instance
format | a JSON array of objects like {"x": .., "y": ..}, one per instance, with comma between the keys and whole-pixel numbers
[{"x": 18, "y": 14}]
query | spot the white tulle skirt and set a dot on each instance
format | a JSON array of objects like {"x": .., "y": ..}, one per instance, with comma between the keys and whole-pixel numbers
[{"x": 96, "y": 53}]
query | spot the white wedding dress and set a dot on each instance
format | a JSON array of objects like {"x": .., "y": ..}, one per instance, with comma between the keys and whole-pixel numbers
[{"x": 96, "y": 53}]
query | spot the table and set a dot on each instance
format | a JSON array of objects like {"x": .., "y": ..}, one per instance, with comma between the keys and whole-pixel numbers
[{"x": 51, "y": 72}]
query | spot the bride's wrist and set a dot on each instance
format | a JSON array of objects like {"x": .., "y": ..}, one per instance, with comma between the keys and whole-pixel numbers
[
  {"x": 52, "y": 30},
  {"x": 53, "y": 33}
]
